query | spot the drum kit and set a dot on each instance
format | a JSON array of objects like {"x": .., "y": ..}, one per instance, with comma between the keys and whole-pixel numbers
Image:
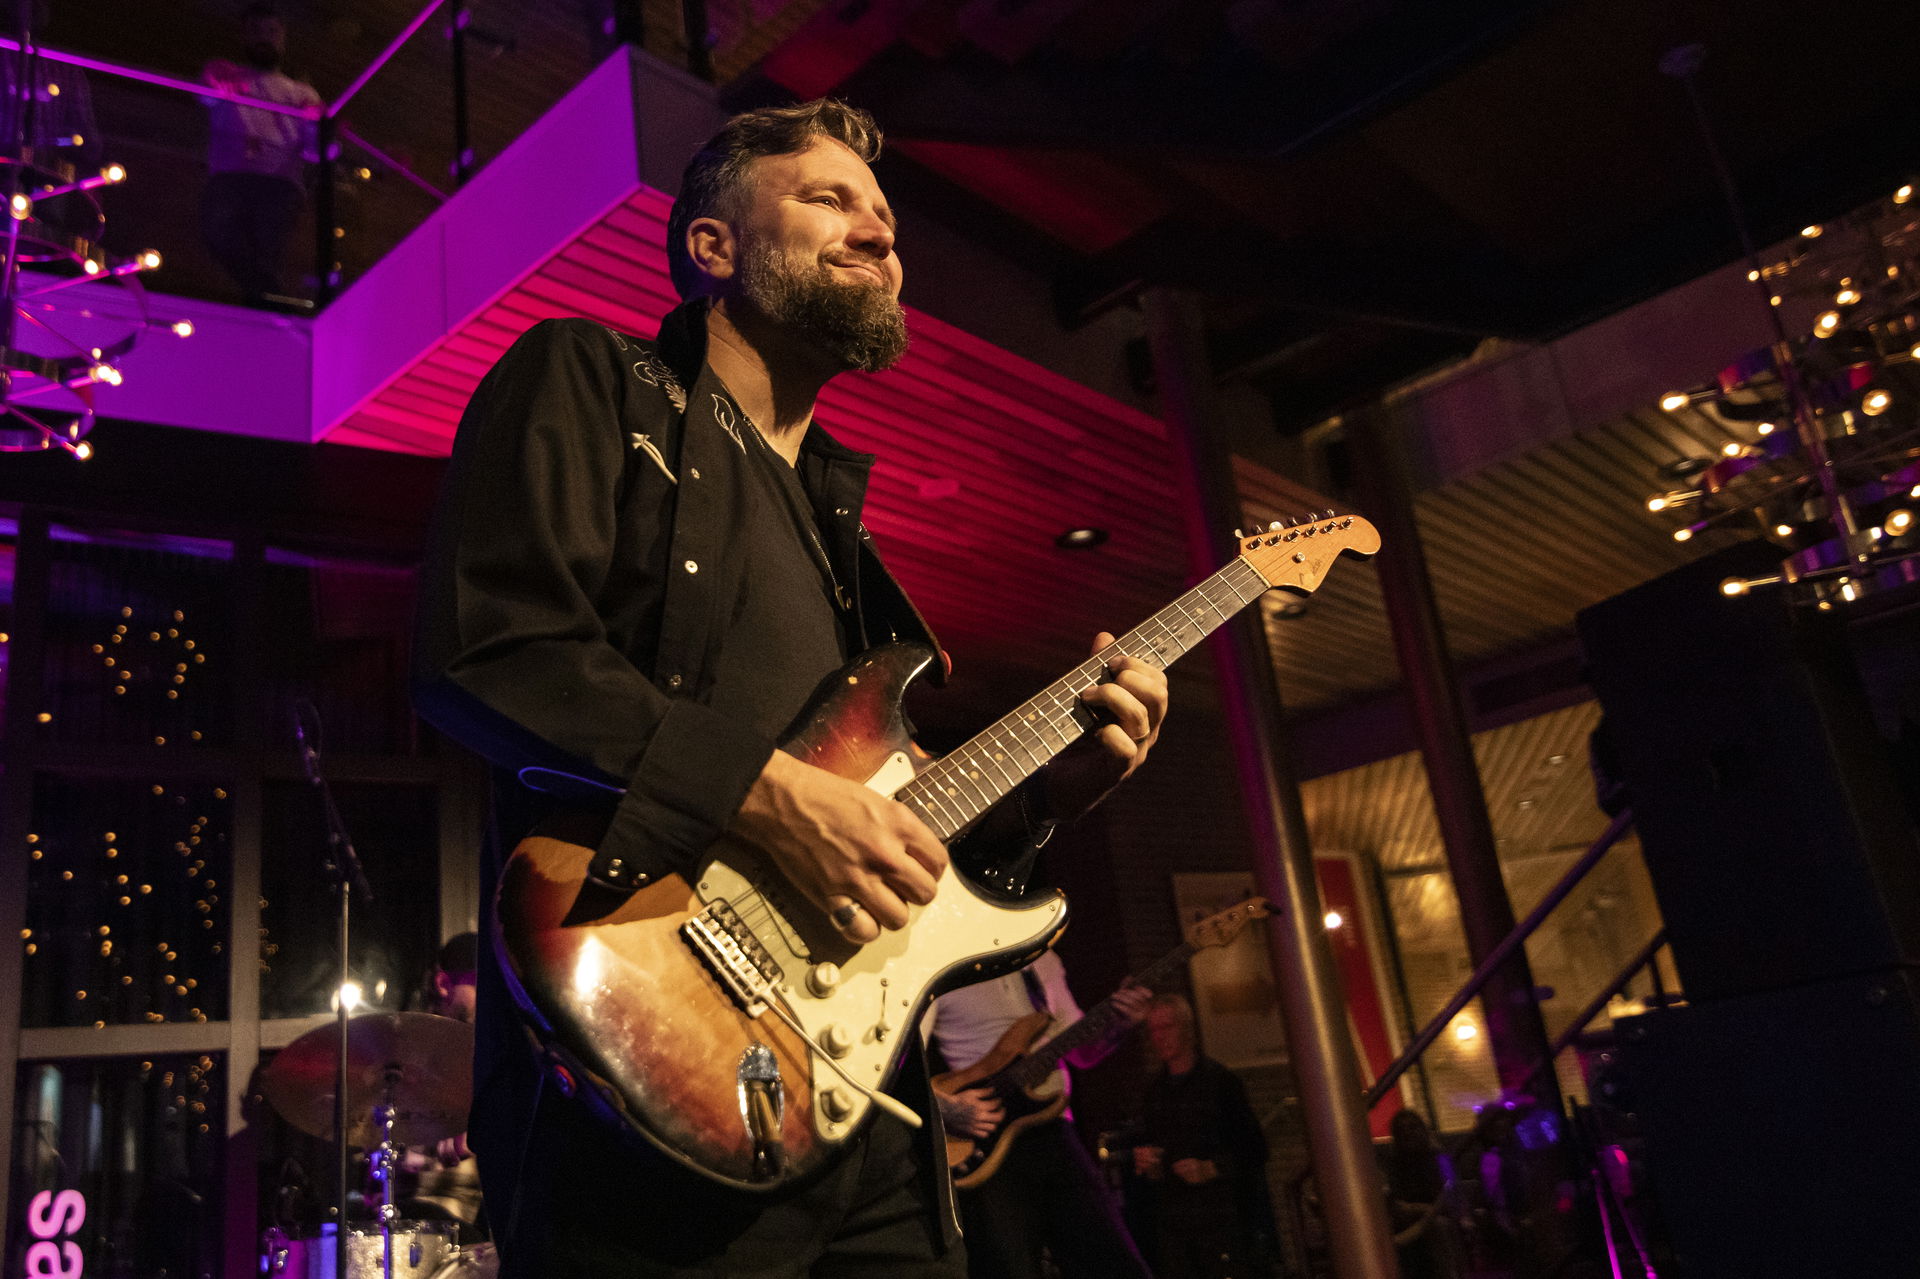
[{"x": 409, "y": 1078}]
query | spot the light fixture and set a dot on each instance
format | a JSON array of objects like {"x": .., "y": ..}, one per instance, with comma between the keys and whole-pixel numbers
[
  {"x": 47, "y": 377},
  {"x": 1825, "y": 425},
  {"x": 1465, "y": 1031},
  {"x": 1333, "y": 920},
  {"x": 1080, "y": 539}
]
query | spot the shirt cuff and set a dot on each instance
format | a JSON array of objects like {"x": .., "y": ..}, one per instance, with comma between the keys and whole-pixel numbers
[{"x": 692, "y": 779}]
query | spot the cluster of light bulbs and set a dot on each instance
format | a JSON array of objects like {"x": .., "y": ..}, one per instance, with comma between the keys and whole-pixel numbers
[
  {"x": 1826, "y": 469},
  {"x": 31, "y": 376}
]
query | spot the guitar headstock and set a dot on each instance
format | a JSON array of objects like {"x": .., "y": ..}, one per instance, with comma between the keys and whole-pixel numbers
[
  {"x": 1296, "y": 557},
  {"x": 1222, "y": 928}
]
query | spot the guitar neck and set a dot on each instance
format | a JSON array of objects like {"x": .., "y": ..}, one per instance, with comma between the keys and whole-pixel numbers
[
  {"x": 951, "y": 793},
  {"x": 1097, "y": 1024}
]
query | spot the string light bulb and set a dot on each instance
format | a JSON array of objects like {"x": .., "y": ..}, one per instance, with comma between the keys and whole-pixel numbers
[
  {"x": 1826, "y": 323},
  {"x": 150, "y": 260},
  {"x": 1333, "y": 920},
  {"x": 21, "y": 206},
  {"x": 1813, "y": 231},
  {"x": 1846, "y": 297},
  {"x": 1904, "y": 194},
  {"x": 1674, "y": 401},
  {"x": 1899, "y": 521},
  {"x": 182, "y": 328},
  {"x": 1783, "y": 530},
  {"x": 114, "y": 173},
  {"x": 1734, "y": 586},
  {"x": 1875, "y": 402},
  {"x": 1765, "y": 428}
]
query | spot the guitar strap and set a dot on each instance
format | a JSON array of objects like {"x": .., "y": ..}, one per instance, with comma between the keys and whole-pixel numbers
[{"x": 1036, "y": 990}]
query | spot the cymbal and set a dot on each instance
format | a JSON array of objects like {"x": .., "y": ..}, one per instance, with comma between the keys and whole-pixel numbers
[{"x": 419, "y": 1064}]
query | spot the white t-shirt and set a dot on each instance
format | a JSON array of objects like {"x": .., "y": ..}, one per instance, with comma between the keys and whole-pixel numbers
[
  {"x": 966, "y": 1024},
  {"x": 249, "y": 140}
]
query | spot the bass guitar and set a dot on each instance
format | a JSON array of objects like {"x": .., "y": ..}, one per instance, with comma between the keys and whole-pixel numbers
[
  {"x": 719, "y": 1015},
  {"x": 1021, "y": 1075}
]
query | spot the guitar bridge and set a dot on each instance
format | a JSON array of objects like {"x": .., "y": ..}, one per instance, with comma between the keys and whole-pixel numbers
[{"x": 734, "y": 955}]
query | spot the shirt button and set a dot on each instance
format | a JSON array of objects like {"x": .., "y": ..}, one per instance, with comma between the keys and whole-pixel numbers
[
  {"x": 842, "y": 511},
  {"x": 673, "y": 681},
  {"x": 691, "y": 567}
]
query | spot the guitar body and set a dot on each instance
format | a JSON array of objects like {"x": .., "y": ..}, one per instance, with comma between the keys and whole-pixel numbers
[
  {"x": 688, "y": 1011},
  {"x": 973, "y": 1161}
]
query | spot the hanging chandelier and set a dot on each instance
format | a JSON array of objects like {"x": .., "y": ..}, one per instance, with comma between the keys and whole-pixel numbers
[
  {"x": 1825, "y": 458},
  {"x": 54, "y": 350}
]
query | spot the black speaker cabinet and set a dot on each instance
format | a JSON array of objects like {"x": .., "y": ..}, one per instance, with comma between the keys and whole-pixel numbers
[
  {"x": 1766, "y": 806},
  {"x": 1783, "y": 1128}
]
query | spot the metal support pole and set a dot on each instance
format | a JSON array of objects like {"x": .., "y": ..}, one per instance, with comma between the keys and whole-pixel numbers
[
  {"x": 457, "y": 19},
  {"x": 1311, "y": 1005},
  {"x": 693, "y": 17},
  {"x": 327, "y": 149},
  {"x": 1385, "y": 488}
]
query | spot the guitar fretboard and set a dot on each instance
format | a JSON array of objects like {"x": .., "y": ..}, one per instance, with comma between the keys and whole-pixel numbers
[
  {"x": 1028, "y": 1071},
  {"x": 951, "y": 793}
]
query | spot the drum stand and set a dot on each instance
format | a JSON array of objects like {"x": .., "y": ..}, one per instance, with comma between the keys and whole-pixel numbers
[
  {"x": 346, "y": 878},
  {"x": 382, "y": 1161}
]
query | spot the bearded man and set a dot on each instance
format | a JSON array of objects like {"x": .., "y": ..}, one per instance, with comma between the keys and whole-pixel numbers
[{"x": 647, "y": 557}]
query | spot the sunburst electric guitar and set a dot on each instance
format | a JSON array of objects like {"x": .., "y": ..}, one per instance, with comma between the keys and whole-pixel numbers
[
  {"x": 720, "y": 1015},
  {"x": 1022, "y": 1076}
]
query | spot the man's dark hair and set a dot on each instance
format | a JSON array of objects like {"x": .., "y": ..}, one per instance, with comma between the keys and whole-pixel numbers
[
  {"x": 714, "y": 185},
  {"x": 460, "y": 956}
]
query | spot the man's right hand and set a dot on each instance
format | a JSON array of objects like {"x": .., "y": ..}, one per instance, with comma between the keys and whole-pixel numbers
[
  {"x": 974, "y": 1113},
  {"x": 839, "y": 842}
]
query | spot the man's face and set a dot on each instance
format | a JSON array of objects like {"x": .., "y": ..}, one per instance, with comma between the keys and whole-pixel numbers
[
  {"x": 1169, "y": 1033},
  {"x": 816, "y": 255},
  {"x": 453, "y": 995},
  {"x": 265, "y": 41}
]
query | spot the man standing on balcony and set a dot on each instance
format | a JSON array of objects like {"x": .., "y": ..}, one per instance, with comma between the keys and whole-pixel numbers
[
  {"x": 647, "y": 557},
  {"x": 257, "y": 162}
]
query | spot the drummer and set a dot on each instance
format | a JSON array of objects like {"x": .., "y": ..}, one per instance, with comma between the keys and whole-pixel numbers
[{"x": 448, "y": 1186}]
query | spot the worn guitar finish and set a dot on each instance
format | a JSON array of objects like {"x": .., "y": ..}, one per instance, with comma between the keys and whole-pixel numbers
[
  {"x": 1025, "y": 1079},
  {"x": 722, "y": 1017}
]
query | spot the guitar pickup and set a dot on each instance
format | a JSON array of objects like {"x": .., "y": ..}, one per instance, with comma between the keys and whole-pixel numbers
[{"x": 734, "y": 955}]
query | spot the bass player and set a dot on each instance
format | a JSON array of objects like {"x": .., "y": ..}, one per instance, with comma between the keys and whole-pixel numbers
[
  {"x": 646, "y": 557},
  {"x": 1047, "y": 1193}
]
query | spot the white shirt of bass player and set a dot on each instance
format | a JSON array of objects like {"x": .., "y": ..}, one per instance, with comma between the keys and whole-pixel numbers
[{"x": 965, "y": 1024}]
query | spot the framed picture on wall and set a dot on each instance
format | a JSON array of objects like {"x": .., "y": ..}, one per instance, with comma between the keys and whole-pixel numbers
[{"x": 1236, "y": 1002}]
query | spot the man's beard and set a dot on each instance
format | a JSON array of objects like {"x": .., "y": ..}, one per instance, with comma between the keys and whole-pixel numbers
[{"x": 858, "y": 326}]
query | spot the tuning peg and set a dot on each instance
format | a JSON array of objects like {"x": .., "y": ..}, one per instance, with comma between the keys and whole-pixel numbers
[
  {"x": 1238, "y": 535},
  {"x": 1274, "y": 527}
]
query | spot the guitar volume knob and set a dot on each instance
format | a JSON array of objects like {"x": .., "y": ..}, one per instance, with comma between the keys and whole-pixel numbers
[
  {"x": 837, "y": 1104},
  {"x": 836, "y": 1039},
  {"x": 823, "y": 979}
]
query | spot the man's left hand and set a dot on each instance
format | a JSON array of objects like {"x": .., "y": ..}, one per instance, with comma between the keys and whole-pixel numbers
[
  {"x": 1130, "y": 1003},
  {"x": 1131, "y": 706}
]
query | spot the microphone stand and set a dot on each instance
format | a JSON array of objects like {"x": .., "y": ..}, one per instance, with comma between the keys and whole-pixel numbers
[{"x": 346, "y": 878}]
